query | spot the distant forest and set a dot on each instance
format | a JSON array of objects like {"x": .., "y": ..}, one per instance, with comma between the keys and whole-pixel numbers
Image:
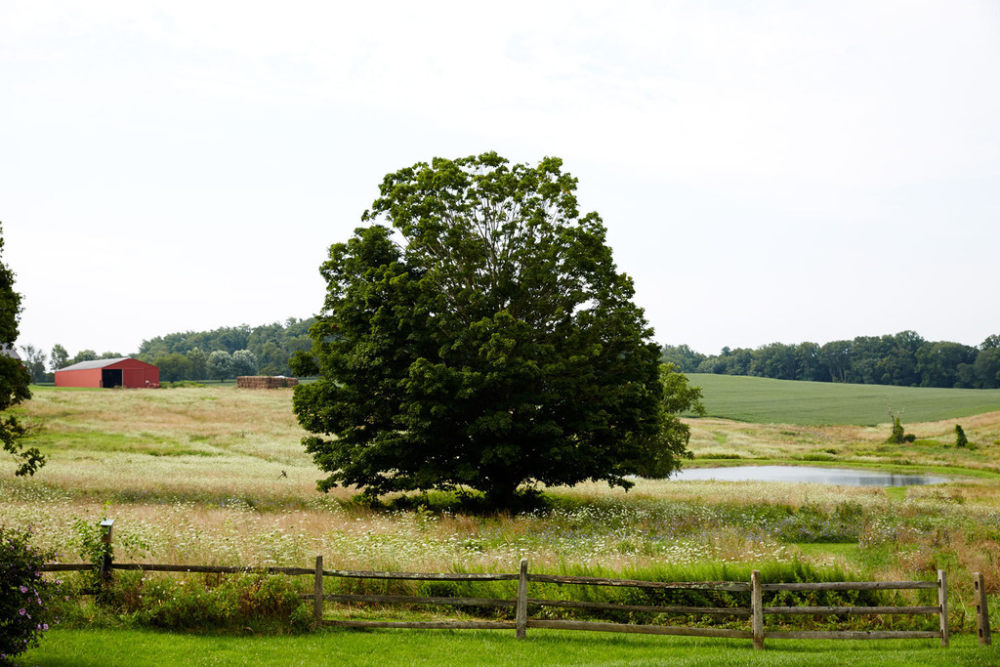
[
  {"x": 228, "y": 351},
  {"x": 903, "y": 359}
]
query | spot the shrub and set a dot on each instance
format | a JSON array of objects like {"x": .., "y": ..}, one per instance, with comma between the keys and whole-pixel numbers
[
  {"x": 206, "y": 603},
  {"x": 24, "y": 593},
  {"x": 897, "y": 437},
  {"x": 960, "y": 439},
  {"x": 817, "y": 457}
]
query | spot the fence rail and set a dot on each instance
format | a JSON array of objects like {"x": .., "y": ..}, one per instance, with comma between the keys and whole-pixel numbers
[
  {"x": 729, "y": 586},
  {"x": 756, "y": 610},
  {"x": 850, "y": 586}
]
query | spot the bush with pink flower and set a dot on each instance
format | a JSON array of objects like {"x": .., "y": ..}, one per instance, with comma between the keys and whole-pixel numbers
[{"x": 24, "y": 593}]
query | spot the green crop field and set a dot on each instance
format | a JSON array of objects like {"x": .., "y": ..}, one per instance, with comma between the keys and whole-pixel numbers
[{"x": 763, "y": 401}]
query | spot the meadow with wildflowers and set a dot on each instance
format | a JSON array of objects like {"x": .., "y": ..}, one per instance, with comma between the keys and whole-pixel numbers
[{"x": 217, "y": 475}]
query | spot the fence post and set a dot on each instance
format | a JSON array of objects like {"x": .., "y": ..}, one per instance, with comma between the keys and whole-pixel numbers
[
  {"x": 982, "y": 610},
  {"x": 943, "y": 604},
  {"x": 318, "y": 591},
  {"x": 757, "y": 609},
  {"x": 521, "y": 612},
  {"x": 107, "y": 558}
]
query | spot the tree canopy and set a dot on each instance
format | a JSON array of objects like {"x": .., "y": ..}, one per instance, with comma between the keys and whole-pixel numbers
[
  {"x": 219, "y": 365},
  {"x": 14, "y": 377},
  {"x": 270, "y": 347},
  {"x": 903, "y": 359},
  {"x": 58, "y": 358},
  {"x": 34, "y": 361},
  {"x": 486, "y": 340}
]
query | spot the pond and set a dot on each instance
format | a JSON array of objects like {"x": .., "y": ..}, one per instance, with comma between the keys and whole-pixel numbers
[{"x": 813, "y": 474}]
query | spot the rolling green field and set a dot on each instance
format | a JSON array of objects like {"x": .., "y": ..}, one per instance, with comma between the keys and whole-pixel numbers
[{"x": 764, "y": 401}]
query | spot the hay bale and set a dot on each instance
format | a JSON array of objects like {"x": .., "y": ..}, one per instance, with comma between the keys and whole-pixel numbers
[{"x": 265, "y": 382}]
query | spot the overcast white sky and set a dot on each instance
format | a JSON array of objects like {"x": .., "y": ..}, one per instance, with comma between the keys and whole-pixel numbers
[{"x": 767, "y": 171}]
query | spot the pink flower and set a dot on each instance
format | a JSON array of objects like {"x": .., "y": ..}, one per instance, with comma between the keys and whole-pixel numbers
[{"x": 22, "y": 611}]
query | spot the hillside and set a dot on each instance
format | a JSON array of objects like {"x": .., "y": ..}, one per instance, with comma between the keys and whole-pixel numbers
[{"x": 763, "y": 400}]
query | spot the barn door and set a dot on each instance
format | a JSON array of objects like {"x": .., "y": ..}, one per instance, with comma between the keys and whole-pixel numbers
[{"x": 111, "y": 377}]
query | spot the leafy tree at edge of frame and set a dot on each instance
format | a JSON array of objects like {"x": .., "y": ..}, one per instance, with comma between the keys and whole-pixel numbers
[{"x": 14, "y": 377}]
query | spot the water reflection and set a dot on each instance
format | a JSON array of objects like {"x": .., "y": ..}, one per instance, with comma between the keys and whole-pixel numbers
[{"x": 814, "y": 474}]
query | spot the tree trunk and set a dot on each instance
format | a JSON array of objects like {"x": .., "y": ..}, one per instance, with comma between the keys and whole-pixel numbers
[{"x": 502, "y": 494}]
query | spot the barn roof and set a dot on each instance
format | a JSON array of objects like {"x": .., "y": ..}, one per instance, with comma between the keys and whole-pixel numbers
[{"x": 96, "y": 363}]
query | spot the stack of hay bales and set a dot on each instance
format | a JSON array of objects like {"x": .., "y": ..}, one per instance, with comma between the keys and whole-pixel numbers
[{"x": 265, "y": 381}]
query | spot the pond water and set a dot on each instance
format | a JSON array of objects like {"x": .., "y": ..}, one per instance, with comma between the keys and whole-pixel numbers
[{"x": 814, "y": 474}]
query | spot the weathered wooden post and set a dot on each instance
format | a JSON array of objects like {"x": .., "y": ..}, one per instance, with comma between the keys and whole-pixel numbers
[
  {"x": 982, "y": 610},
  {"x": 943, "y": 605},
  {"x": 757, "y": 609},
  {"x": 521, "y": 608},
  {"x": 107, "y": 555},
  {"x": 318, "y": 592}
]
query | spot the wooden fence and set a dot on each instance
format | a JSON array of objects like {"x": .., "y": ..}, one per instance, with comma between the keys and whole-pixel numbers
[{"x": 521, "y": 604}]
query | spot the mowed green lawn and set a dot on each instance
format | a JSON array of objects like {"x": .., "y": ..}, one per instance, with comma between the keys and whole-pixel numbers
[
  {"x": 108, "y": 648},
  {"x": 767, "y": 401}
]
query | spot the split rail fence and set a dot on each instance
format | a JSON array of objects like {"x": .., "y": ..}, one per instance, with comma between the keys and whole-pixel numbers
[{"x": 521, "y": 603}]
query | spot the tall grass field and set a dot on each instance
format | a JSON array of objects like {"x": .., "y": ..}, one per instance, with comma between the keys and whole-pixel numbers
[{"x": 217, "y": 475}]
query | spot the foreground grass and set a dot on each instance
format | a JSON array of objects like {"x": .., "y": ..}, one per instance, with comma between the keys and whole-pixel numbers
[
  {"x": 764, "y": 400},
  {"x": 388, "y": 647}
]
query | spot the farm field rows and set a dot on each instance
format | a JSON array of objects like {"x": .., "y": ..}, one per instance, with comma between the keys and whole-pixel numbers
[
  {"x": 765, "y": 400},
  {"x": 216, "y": 475}
]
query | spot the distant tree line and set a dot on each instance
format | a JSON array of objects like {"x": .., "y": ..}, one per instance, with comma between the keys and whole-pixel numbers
[
  {"x": 219, "y": 354},
  {"x": 904, "y": 359},
  {"x": 227, "y": 352}
]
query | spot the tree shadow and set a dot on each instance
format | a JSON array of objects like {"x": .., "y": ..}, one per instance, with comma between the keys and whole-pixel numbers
[{"x": 456, "y": 501}]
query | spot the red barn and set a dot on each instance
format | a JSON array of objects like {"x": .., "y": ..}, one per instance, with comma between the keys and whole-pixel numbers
[{"x": 121, "y": 372}]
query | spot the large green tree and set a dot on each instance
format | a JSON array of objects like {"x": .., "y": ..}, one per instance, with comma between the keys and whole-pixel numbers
[
  {"x": 14, "y": 377},
  {"x": 174, "y": 367},
  {"x": 219, "y": 365},
  {"x": 487, "y": 340},
  {"x": 244, "y": 362}
]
